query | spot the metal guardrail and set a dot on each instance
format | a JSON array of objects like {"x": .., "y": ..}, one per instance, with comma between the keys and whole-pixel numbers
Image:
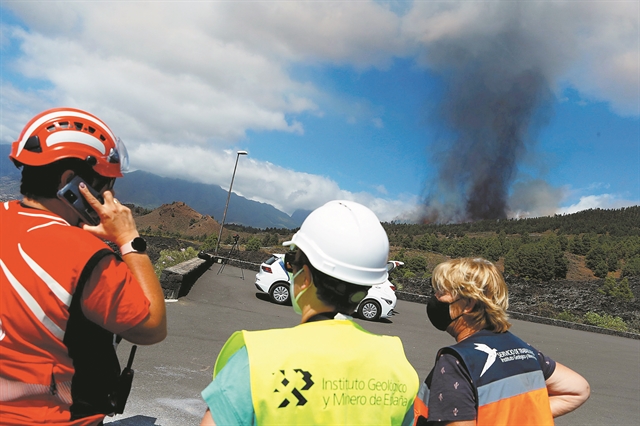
[
  {"x": 220, "y": 259},
  {"x": 419, "y": 298},
  {"x": 238, "y": 263}
]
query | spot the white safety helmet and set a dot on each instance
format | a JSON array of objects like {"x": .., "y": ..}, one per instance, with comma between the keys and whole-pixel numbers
[{"x": 345, "y": 240}]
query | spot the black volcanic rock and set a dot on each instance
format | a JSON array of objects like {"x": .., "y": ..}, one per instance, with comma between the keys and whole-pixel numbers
[{"x": 553, "y": 298}]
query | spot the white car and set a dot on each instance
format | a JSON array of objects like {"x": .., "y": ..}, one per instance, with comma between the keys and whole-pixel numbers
[{"x": 273, "y": 279}]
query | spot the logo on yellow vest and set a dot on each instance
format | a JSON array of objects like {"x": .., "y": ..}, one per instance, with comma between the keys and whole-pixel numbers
[{"x": 289, "y": 386}]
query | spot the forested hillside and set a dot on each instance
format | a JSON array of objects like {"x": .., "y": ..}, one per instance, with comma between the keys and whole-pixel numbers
[
  {"x": 551, "y": 265},
  {"x": 539, "y": 248}
]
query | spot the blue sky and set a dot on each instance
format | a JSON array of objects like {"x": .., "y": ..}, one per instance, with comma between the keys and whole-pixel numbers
[{"x": 346, "y": 99}]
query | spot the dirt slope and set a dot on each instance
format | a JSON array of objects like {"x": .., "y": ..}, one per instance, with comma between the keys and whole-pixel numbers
[{"x": 177, "y": 218}]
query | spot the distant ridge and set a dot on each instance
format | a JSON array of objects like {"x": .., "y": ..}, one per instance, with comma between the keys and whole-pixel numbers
[
  {"x": 150, "y": 191},
  {"x": 300, "y": 215}
]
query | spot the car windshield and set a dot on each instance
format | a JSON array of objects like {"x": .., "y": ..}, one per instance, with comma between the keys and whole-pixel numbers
[{"x": 271, "y": 260}]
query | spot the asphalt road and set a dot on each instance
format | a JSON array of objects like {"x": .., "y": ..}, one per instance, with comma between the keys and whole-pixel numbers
[{"x": 169, "y": 376}]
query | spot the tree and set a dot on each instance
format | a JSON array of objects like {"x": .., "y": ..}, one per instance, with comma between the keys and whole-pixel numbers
[
  {"x": 581, "y": 245},
  {"x": 535, "y": 263},
  {"x": 502, "y": 237},
  {"x": 618, "y": 289},
  {"x": 253, "y": 244},
  {"x": 427, "y": 242},
  {"x": 542, "y": 260},
  {"x": 511, "y": 262},
  {"x": 461, "y": 248},
  {"x": 209, "y": 243},
  {"x": 588, "y": 241},
  {"x": 601, "y": 269},
  {"x": 417, "y": 265},
  {"x": 624, "y": 291},
  {"x": 493, "y": 250},
  {"x": 632, "y": 267},
  {"x": 564, "y": 242},
  {"x": 595, "y": 257},
  {"x": 270, "y": 240}
]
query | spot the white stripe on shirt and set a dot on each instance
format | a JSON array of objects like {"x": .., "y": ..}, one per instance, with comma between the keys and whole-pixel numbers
[
  {"x": 61, "y": 293},
  {"x": 45, "y": 225},
  {"x": 59, "y": 219},
  {"x": 32, "y": 304}
]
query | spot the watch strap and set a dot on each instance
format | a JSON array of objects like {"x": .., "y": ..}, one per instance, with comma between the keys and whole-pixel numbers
[{"x": 137, "y": 245}]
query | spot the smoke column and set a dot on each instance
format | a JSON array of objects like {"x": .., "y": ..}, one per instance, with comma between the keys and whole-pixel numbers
[{"x": 493, "y": 102}]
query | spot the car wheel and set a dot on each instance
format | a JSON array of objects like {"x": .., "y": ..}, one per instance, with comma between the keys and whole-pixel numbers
[
  {"x": 370, "y": 310},
  {"x": 280, "y": 293}
]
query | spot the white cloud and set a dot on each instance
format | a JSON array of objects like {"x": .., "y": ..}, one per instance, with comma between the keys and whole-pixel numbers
[
  {"x": 168, "y": 75},
  {"x": 283, "y": 188},
  {"x": 359, "y": 33},
  {"x": 381, "y": 189},
  {"x": 154, "y": 103},
  {"x": 18, "y": 108},
  {"x": 183, "y": 81},
  {"x": 592, "y": 46},
  {"x": 535, "y": 198},
  {"x": 602, "y": 201}
]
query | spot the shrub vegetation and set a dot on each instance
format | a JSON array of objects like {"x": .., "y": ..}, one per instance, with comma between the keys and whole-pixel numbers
[
  {"x": 605, "y": 321},
  {"x": 173, "y": 257}
]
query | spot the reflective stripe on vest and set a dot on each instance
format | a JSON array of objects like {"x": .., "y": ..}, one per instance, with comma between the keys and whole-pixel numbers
[
  {"x": 30, "y": 301},
  {"x": 58, "y": 290},
  {"x": 510, "y": 384},
  {"x": 357, "y": 378},
  {"x": 421, "y": 403},
  {"x": 37, "y": 289},
  {"x": 11, "y": 390}
]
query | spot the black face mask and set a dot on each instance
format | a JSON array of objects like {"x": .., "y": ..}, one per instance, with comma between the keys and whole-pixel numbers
[{"x": 438, "y": 313}]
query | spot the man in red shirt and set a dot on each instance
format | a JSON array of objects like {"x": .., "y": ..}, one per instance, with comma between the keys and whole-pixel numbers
[{"x": 64, "y": 293}]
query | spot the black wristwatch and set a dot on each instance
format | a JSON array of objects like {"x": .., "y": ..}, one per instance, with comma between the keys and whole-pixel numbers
[{"x": 137, "y": 245}]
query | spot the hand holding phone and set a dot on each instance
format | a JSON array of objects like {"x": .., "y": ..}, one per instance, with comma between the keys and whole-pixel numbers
[{"x": 70, "y": 195}]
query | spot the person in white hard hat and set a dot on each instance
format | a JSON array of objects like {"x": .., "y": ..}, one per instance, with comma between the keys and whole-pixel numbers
[{"x": 328, "y": 370}]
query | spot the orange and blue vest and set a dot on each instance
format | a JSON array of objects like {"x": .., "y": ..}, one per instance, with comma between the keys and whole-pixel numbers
[{"x": 508, "y": 381}]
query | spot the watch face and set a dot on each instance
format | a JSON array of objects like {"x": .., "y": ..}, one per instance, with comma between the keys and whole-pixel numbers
[{"x": 139, "y": 244}]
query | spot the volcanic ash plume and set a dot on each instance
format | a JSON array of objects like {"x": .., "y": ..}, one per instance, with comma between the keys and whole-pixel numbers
[{"x": 493, "y": 102}]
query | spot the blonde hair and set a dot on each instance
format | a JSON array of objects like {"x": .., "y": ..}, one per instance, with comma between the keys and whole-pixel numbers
[{"x": 480, "y": 280}]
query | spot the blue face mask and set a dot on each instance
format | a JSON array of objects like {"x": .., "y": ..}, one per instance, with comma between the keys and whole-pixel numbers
[{"x": 294, "y": 299}]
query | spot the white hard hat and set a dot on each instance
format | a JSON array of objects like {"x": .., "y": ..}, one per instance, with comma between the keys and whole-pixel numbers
[{"x": 345, "y": 240}]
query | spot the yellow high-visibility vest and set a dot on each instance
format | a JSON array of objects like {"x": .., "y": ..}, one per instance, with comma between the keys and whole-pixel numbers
[{"x": 329, "y": 372}]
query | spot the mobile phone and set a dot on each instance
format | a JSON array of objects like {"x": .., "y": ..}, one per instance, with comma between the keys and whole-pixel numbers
[{"x": 72, "y": 196}]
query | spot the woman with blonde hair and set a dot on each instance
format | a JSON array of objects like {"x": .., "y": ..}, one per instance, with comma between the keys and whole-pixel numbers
[{"x": 490, "y": 376}]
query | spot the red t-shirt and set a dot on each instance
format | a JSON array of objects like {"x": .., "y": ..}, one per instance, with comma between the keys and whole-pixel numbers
[{"x": 41, "y": 259}]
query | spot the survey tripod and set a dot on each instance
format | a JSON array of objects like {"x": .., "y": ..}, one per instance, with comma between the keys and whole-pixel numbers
[{"x": 234, "y": 250}]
